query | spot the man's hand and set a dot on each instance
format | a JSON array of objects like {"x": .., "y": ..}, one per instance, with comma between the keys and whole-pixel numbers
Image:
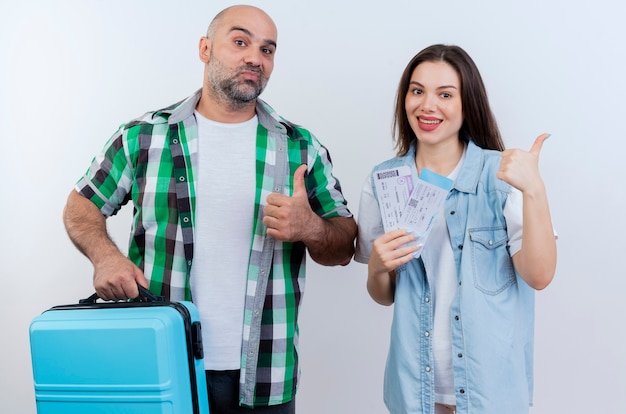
[
  {"x": 290, "y": 218},
  {"x": 330, "y": 241},
  {"x": 116, "y": 277}
]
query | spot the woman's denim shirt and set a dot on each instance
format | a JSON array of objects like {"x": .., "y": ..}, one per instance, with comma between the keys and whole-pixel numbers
[{"x": 492, "y": 314}]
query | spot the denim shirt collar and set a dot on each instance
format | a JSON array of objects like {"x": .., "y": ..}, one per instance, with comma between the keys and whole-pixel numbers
[{"x": 467, "y": 180}]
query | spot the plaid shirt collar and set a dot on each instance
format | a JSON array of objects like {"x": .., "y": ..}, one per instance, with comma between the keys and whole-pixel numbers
[{"x": 267, "y": 116}]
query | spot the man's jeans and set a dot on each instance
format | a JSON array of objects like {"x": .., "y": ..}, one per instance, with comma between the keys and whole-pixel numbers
[{"x": 223, "y": 390}]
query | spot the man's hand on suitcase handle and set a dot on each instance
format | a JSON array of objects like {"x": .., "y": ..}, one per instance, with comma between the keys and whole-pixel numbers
[{"x": 116, "y": 277}]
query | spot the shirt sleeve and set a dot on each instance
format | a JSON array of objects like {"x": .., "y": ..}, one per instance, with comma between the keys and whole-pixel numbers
[
  {"x": 369, "y": 221},
  {"x": 325, "y": 194},
  {"x": 513, "y": 214},
  {"x": 108, "y": 180}
]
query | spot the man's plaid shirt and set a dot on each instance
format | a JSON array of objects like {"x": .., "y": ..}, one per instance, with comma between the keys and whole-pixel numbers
[{"x": 151, "y": 162}]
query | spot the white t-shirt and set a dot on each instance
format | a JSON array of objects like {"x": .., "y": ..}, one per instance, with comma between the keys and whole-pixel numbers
[
  {"x": 225, "y": 193},
  {"x": 440, "y": 268}
]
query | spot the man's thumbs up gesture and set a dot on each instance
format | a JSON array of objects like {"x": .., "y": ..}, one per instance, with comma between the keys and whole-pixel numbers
[
  {"x": 288, "y": 218},
  {"x": 330, "y": 241},
  {"x": 521, "y": 168}
]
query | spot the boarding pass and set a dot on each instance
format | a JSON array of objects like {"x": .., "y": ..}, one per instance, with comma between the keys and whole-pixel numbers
[{"x": 409, "y": 203}]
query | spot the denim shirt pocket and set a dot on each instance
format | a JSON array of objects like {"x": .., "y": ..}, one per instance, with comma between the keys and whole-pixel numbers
[{"x": 492, "y": 265}]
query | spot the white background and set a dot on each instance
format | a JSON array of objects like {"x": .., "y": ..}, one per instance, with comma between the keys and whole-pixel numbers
[{"x": 72, "y": 71}]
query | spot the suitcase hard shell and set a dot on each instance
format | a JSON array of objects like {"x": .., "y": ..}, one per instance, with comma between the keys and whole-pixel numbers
[{"x": 119, "y": 357}]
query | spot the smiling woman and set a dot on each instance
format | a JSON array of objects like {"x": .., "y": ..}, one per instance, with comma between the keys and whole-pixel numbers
[
  {"x": 436, "y": 284},
  {"x": 72, "y": 70},
  {"x": 435, "y": 88}
]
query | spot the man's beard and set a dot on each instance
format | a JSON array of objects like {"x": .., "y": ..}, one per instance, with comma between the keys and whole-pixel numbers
[{"x": 228, "y": 88}]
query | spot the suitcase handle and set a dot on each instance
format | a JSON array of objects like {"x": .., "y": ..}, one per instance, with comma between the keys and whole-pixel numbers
[{"x": 144, "y": 296}]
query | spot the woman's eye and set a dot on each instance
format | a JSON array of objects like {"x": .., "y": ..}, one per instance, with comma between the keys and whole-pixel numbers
[
  {"x": 416, "y": 91},
  {"x": 446, "y": 95}
]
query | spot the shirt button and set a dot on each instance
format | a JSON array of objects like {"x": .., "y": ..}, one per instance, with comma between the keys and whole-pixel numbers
[
  {"x": 462, "y": 391},
  {"x": 460, "y": 355},
  {"x": 186, "y": 219},
  {"x": 427, "y": 334},
  {"x": 174, "y": 141},
  {"x": 427, "y": 300},
  {"x": 460, "y": 247},
  {"x": 490, "y": 242},
  {"x": 456, "y": 317},
  {"x": 452, "y": 213},
  {"x": 427, "y": 369},
  {"x": 181, "y": 178}
]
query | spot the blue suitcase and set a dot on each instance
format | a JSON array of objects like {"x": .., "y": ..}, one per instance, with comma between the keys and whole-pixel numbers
[{"x": 141, "y": 356}]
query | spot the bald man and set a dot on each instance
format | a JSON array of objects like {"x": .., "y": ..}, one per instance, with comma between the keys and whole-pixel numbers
[{"x": 228, "y": 197}]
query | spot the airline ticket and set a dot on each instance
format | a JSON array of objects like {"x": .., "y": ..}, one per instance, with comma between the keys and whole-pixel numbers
[
  {"x": 425, "y": 201},
  {"x": 393, "y": 189},
  {"x": 410, "y": 203}
]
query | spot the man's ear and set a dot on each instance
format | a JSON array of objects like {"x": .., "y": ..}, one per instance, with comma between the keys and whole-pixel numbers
[{"x": 204, "y": 49}]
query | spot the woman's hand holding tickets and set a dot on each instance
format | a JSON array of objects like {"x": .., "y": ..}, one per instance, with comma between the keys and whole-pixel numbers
[{"x": 393, "y": 249}]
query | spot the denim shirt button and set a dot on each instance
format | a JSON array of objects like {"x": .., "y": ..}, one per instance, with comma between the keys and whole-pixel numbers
[
  {"x": 427, "y": 334},
  {"x": 427, "y": 369}
]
